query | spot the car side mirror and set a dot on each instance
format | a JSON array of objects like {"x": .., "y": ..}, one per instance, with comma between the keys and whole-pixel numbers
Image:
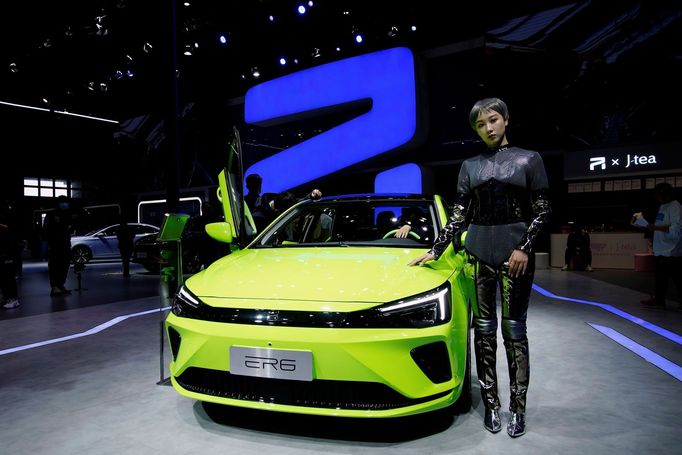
[{"x": 220, "y": 231}]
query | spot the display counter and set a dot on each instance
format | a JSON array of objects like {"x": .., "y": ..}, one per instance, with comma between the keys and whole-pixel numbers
[{"x": 610, "y": 250}]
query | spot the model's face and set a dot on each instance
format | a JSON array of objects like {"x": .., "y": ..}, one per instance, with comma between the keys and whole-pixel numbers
[{"x": 491, "y": 126}]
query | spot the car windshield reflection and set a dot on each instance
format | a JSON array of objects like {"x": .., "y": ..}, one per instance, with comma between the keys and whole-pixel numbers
[{"x": 353, "y": 223}]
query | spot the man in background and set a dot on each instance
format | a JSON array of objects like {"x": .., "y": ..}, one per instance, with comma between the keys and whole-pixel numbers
[
  {"x": 57, "y": 233},
  {"x": 667, "y": 244}
]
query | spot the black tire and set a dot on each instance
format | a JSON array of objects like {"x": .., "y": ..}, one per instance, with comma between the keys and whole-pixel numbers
[
  {"x": 191, "y": 263},
  {"x": 152, "y": 268},
  {"x": 81, "y": 254},
  {"x": 463, "y": 403}
]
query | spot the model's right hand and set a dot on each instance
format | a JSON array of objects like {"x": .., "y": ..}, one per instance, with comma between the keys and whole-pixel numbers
[{"x": 421, "y": 260}]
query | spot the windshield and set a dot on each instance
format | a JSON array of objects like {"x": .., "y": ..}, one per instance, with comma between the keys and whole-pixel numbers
[{"x": 354, "y": 223}]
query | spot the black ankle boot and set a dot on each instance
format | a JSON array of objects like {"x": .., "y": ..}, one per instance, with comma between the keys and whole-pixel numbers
[
  {"x": 517, "y": 425},
  {"x": 491, "y": 420}
]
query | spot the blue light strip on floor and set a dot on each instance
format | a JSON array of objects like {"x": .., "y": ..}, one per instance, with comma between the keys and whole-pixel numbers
[
  {"x": 611, "y": 309},
  {"x": 650, "y": 356},
  {"x": 91, "y": 331}
]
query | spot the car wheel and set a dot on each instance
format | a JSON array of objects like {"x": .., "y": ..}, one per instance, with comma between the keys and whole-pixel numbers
[
  {"x": 81, "y": 254},
  {"x": 191, "y": 263},
  {"x": 463, "y": 403},
  {"x": 152, "y": 268}
]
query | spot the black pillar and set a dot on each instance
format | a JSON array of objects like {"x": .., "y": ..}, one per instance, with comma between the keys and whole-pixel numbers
[{"x": 171, "y": 110}]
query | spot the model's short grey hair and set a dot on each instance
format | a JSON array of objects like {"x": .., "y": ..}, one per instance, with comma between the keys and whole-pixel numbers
[{"x": 487, "y": 105}]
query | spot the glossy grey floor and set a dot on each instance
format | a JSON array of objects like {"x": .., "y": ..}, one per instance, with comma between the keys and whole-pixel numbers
[{"x": 94, "y": 390}]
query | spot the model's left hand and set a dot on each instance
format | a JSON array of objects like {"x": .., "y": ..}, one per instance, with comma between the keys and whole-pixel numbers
[{"x": 518, "y": 263}]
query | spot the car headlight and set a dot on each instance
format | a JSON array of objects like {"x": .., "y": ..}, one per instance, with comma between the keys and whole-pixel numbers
[
  {"x": 423, "y": 310},
  {"x": 185, "y": 303}
]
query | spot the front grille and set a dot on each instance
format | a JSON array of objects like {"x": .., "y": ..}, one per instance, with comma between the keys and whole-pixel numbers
[{"x": 318, "y": 393}]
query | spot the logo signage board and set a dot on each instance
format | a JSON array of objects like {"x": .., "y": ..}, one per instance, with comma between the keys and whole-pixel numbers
[
  {"x": 639, "y": 160},
  {"x": 386, "y": 81}
]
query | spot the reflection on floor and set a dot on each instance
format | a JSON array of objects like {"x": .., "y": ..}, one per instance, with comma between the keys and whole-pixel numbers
[{"x": 79, "y": 374}]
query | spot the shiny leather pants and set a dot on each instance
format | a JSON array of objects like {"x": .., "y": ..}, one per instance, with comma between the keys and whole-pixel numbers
[{"x": 514, "y": 296}]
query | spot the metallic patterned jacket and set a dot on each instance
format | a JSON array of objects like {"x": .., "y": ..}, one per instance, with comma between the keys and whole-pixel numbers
[{"x": 502, "y": 204}]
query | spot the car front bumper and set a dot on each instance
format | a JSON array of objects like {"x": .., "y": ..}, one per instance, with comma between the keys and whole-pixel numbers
[{"x": 355, "y": 372}]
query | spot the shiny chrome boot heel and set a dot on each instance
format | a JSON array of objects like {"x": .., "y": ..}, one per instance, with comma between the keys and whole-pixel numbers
[
  {"x": 491, "y": 420},
  {"x": 517, "y": 425}
]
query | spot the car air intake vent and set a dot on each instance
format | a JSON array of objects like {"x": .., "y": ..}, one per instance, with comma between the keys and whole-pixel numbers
[
  {"x": 434, "y": 361},
  {"x": 317, "y": 393},
  {"x": 174, "y": 340}
]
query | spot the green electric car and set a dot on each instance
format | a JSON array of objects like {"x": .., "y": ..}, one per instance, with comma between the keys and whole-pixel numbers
[{"x": 321, "y": 314}]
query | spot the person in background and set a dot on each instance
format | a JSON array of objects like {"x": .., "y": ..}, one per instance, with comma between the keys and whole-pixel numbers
[
  {"x": 254, "y": 183},
  {"x": 57, "y": 233},
  {"x": 126, "y": 241},
  {"x": 500, "y": 238},
  {"x": 667, "y": 244},
  {"x": 273, "y": 205},
  {"x": 578, "y": 244},
  {"x": 9, "y": 244},
  {"x": 412, "y": 220}
]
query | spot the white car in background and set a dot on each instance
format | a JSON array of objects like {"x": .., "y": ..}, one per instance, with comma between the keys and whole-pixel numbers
[{"x": 103, "y": 243}]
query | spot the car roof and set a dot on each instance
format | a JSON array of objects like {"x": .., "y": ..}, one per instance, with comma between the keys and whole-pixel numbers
[
  {"x": 378, "y": 197},
  {"x": 129, "y": 224}
]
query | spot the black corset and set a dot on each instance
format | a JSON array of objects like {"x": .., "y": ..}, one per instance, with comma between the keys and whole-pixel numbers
[{"x": 496, "y": 203}]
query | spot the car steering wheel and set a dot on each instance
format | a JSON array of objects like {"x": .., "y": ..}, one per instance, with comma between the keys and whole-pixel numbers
[{"x": 391, "y": 233}]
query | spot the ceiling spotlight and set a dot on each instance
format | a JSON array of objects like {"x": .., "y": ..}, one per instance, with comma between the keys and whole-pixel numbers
[
  {"x": 346, "y": 13},
  {"x": 68, "y": 31},
  {"x": 358, "y": 38},
  {"x": 147, "y": 48},
  {"x": 186, "y": 3},
  {"x": 310, "y": 3},
  {"x": 316, "y": 52},
  {"x": 296, "y": 61},
  {"x": 103, "y": 86},
  {"x": 271, "y": 18},
  {"x": 188, "y": 50},
  {"x": 338, "y": 49},
  {"x": 13, "y": 67},
  {"x": 301, "y": 10},
  {"x": 129, "y": 73},
  {"x": 282, "y": 61},
  {"x": 223, "y": 39},
  {"x": 243, "y": 76},
  {"x": 47, "y": 43},
  {"x": 413, "y": 28},
  {"x": 99, "y": 24},
  {"x": 128, "y": 58},
  {"x": 118, "y": 74},
  {"x": 91, "y": 86},
  {"x": 46, "y": 101},
  {"x": 196, "y": 45},
  {"x": 393, "y": 31},
  {"x": 255, "y": 73}
]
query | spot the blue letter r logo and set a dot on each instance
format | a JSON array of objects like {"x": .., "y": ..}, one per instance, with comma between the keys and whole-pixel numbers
[{"x": 385, "y": 78}]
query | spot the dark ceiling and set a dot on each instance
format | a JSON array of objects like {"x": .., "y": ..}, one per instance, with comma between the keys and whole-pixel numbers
[
  {"x": 565, "y": 68},
  {"x": 63, "y": 52}
]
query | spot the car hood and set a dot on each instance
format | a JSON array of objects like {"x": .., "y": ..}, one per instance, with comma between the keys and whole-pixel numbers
[{"x": 360, "y": 275}]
